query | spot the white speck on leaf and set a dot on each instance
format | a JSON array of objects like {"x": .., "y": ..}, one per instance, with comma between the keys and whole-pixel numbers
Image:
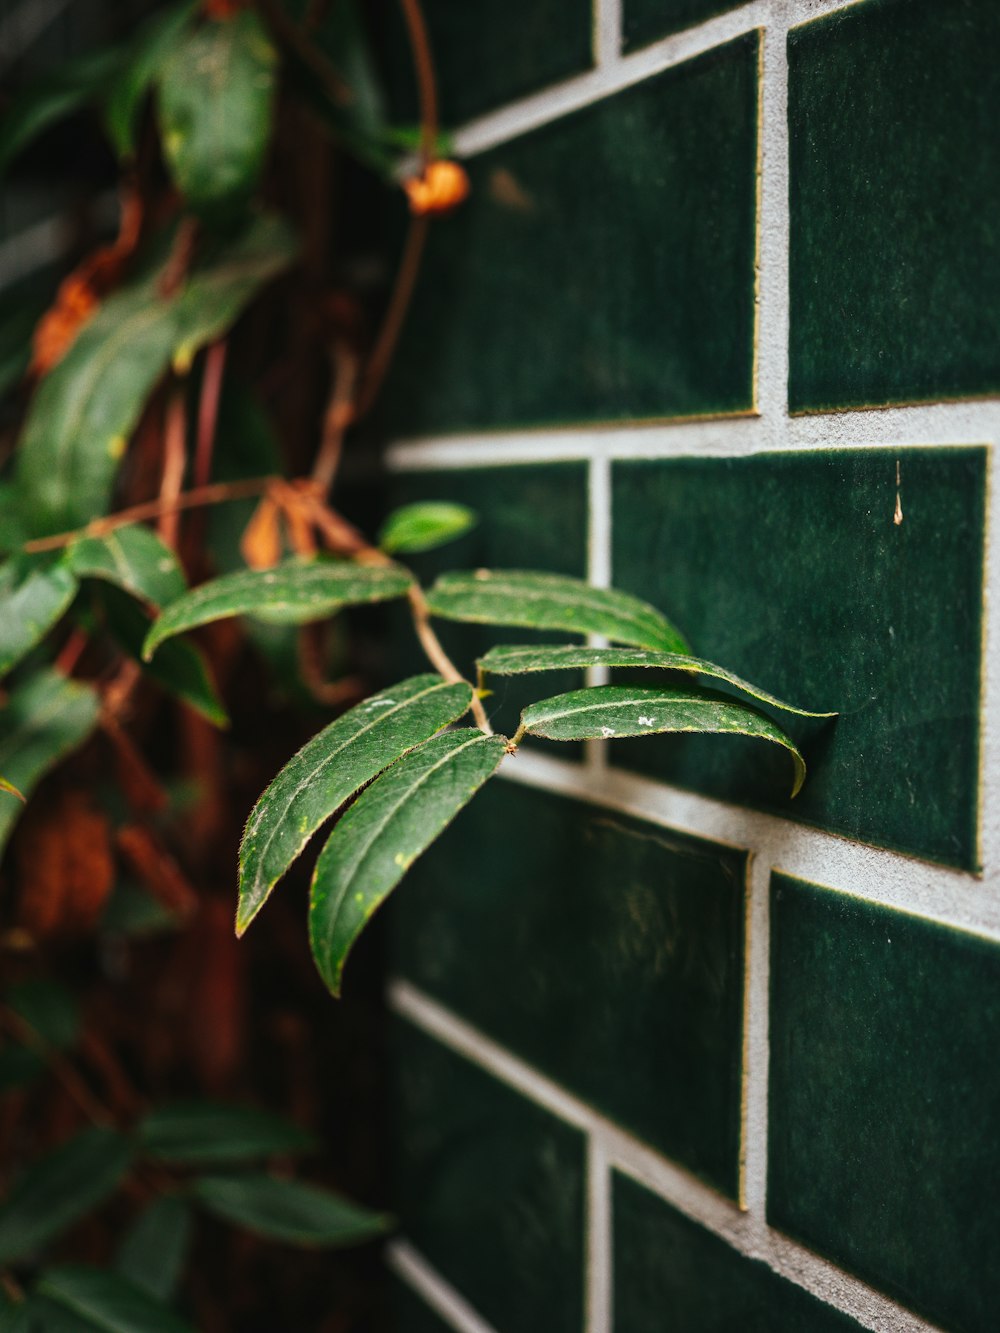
[
  {"x": 647, "y": 721},
  {"x": 607, "y": 731}
]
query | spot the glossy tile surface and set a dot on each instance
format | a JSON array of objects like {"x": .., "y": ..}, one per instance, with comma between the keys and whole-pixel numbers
[
  {"x": 790, "y": 570},
  {"x": 895, "y": 203},
  {"x": 603, "y": 268},
  {"x": 489, "y": 52},
  {"x": 643, "y": 21},
  {"x": 885, "y": 1097},
  {"x": 529, "y": 518},
  {"x": 670, "y": 1273},
  {"x": 490, "y": 1188},
  {"x": 605, "y": 951}
]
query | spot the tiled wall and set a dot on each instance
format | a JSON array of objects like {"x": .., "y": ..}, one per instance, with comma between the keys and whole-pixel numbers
[{"x": 720, "y": 324}]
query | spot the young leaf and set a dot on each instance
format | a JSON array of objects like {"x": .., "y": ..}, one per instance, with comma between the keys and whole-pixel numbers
[
  {"x": 383, "y": 833},
  {"x": 615, "y": 711},
  {"x": 57, "y": 94},
  {"x": 208, "y": 1132},
  {"x": 55, "y": 1192},
  {"x": 215, "y": 95},
  {"x": 143, "y": 61},
  {"x": 33, "y": 596},
  {"x": 422, "y": 527},
  {"x": 294, "y": 592},
  {"x": 132, "y": 558},
  {"x": 219, "y": 289},
  {"x": 107, "y": 1302},
  {"x": 11, "y": 790},
  {"x": 513, "y": 660},
  {"x": 552, "y": 601},
  {"x": 289, "y": 1210},
  {"x": 336, "y": 763},
  {"x": 45, "y": 718},
  {"x": 154, "y": 1251},
  {"x": 180, "y": 668}
]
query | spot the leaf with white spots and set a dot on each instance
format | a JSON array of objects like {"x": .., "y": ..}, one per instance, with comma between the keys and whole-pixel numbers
[
  {"x": 613, "y": 712},
  {"x": 132, "y": 558},
  {"x": 329, "y": 769},
  {"x": 292, "y": 593},
  {"x": 552, "y": 601},
  {"x": 514, "y": 660},
  {"x": 390, "y": 824}
]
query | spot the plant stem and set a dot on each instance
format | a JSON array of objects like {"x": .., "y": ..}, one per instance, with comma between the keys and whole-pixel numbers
[
  {"x": 395, "y": 315},
  {"x": 436, "y": 654},
  {"x": 208, "y": 412},
  {"x": 340, "y": 412},
  {"x": 423, "y": 62},
  {"x": 174, "y": 464}
]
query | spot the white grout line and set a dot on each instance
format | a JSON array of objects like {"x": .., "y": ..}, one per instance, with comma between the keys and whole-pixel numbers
[
  {"x": 746, "y": 1233},
  {"x": 598, "y": 1265},
  {"x": 607, "y": 32},
  {"x": 891, "y": 879},
  {"x": 756, "y": 1021},
  {"x": 773, "y": 228},
  {"x": 411, "y": 1266}
]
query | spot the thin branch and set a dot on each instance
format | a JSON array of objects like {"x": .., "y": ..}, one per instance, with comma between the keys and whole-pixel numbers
[
  {"x": 436, "y": 654},
  {"x": 208, "y": 412},
  {"x": 423, "y": 62},
  {"x": 395, "y": 315},
  {"x": 174, "y": 465},
  {"x": 218, "y": 493},
  {"x": 340, "y": 413}
]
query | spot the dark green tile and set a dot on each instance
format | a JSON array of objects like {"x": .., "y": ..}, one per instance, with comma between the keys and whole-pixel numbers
[
  {"x": 789, "y": 569},
  {"x": 606, "y": 951},
  {"x": 487, "y": 53},
  {"x": 643, "y": 21},
  {"x": 672, "y": 1273},
  {"x": 490, "y": 1189},
  {"x": 603, "y": 267},
  {"x": 410, "y": 1314},
  {"x": 885, "y": 1099},
  {"x": 895, "y": 196},
  {"x": 529, "y": 518}
]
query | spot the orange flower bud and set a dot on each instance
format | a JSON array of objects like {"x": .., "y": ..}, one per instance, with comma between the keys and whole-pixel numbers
[{"x": 442, "y": 187}]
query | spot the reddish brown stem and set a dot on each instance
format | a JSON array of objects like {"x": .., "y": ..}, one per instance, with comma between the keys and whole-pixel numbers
[
  {"x": 208, "y": 412},
  {"x": 395, "y": 315},
  {"x": 423, "y": 62},
  {"x": 174, "y": 464},
  {"x": 340, "y": 412}
]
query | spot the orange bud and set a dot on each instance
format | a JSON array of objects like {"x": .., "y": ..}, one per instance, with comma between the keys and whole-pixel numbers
[
  {"x": 261, "y": 541},
  {"x": 66, "y": 868},
  {"x": 442, "y": 187}
]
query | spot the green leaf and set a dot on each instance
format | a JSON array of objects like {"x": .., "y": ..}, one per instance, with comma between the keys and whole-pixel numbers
[
  {"x": 383, "y": 833},
  {"x": 294, "y": 592},
  {"x": 179, "y": 668},
  {"x": 45, "y": 718},
  {"x": 33, "y": 597},
  {"x": 200, "y": 1132},
  {"x": 108, "y": 1302},
  {"x": 49, "y": 1009},
  {"x": 613, "y": 712},
  {"x": 132, "y": 558},
  {"x": 218, "y": 291},
  {"x": 422, "y": 527},
  {"x": 10, "y": 789},
  {"x": 57, "y": 1191},
  {"x": 514, "y": 660},
  {"x": 154, "y": 1251},
  {"x": 215, "y": 97},
  {"x": 336, "y": 763},
  {"x": 145, "y": 56},
  {"x": 551, "y": 601},
  {"x": 51, "y": 98},
  {"x": 289, "y": 1210}
]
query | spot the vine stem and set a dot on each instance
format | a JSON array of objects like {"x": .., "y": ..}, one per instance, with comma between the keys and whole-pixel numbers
[
  {"x": 423, "y": 62},
  {"x": 437, "y": 656},
  {"x": 174, "y": 464}
]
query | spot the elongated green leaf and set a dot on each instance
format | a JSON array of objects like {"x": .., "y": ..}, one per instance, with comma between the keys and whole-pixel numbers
[
  {"x": 208, "y": 1132},
  {"x": 289, "y": 1210},
  {"x": 33, "y": 596},
  {"x": 52, "y": 97},
  {"x": 613, "y": 712},
  {"x": 332, "y": 767},
  {"x": 218, "y": 291},
  {"x": 294, "y": 592},
  {"x": 422, "y": 527},
  {"x": 552, "y": 601},
  {"x": 514, "y": 660},
  {"x": 180, "y": 668},
  {"x": 45, "y": 718},
  {"x": 132, "y": 558},
  {"x": 108, "y": 1302},
  {"x": 55, "y": 1192},
  {"x": 215, "y": 96},
  {"x": 142, "y": 62},
  {"x": 10, "y": 789},
  {"x": 383, "y": 833},
  {"x": 154, "y": 1251}
]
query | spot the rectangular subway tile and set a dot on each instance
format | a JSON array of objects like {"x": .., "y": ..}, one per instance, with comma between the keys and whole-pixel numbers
[
  {"x": 793, "y": 571},
  {"x": 603, "y": 267},
  {"x": 490, "y": 1188},
  {"x": 670, "y": 1273},
  {"x": 885, "y": 1097},
  {"x": 605, "y": 951},
  {"x": 895, "y": 196},
  {"x": 643, "y": 21}
]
